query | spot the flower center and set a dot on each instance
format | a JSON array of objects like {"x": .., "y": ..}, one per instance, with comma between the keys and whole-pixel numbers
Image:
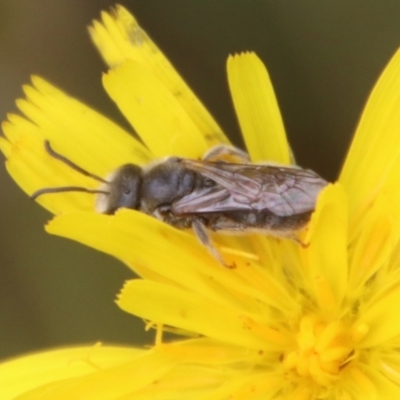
[{"x": 323, "y": 348}]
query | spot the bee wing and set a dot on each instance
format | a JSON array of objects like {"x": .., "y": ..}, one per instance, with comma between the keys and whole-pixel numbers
[
  {"x": 210, "y": 200},
  {"x": 285, "y": 191}
]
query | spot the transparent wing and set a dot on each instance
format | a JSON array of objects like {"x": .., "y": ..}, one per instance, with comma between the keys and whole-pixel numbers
[{"x": 285, "y": 191}]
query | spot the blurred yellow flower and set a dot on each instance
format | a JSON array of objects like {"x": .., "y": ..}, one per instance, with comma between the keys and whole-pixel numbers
[{"x": 289, "y": 322}]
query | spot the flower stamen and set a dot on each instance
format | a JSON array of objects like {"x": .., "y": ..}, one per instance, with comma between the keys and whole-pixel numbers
[{"x": 322, "y": 349}]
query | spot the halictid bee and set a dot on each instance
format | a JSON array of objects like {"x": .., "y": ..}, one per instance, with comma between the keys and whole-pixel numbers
[{"x": 209, "y": 194}]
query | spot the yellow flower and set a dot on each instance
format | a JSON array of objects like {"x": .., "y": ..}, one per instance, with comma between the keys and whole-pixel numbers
[{"x": 289, "y": 322}]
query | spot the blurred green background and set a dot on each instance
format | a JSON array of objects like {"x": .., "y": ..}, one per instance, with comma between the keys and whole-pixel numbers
[{"x": 323, "y": 56}]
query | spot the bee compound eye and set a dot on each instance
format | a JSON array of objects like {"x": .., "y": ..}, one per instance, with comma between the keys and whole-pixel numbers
[{"x": 124, "y": 189}]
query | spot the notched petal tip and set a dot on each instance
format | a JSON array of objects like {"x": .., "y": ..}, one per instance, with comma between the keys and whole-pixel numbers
[
  {"x": 257, "y": 109},
  {"x": 5, "y": 147},
  {"x": 76, "y": 132},
  {"x": 119, "y": 38},
  {"x": 116, "y": 35},
  {"x": 236, "y": 56},
  {"x": 45, "y": 87}
]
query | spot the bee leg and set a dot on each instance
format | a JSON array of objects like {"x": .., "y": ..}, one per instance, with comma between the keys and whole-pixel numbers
[
  {"x": 220, "y": 151},
  {"x": 294, "y": 237},
  {"x": 200, "y": 231},
  {"x": 302, "y": 244}
]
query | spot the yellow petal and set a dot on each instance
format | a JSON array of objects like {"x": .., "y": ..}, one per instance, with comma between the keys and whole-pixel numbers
[
  {"x": 116, "y": 382},
  {"x": 385, "y": 387},
  {"x": 188, "y": 382},
  {"x": 257, "y": 109},
  {"x": 159, "y": 252},
  {"x": 362, "y": 385},
  {"x": 374, "y": 247},
  {"x": 242, "y": 387},
  {"x": 390, "y": 365},
  {"x": 32, "y": 168},
  {"x": 90, "y": 138},
  {"x": 154, "y": 111},
  {"x": 119, "y": 38},
  {"x": 375, "y": 149},
  {"x": 25, "y": 373},
  {"x": 207, "y": 351},
  {"x": 164, "y": 304},
  {"x": 5, "y": 147},
  {"x": 73, "y": 130},
  {"x": 381, "y": 314},
  {"x": 326, "y": 251}
]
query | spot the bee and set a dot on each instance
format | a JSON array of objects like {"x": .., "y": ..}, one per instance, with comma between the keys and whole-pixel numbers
[{"x": 209, "y": 194}]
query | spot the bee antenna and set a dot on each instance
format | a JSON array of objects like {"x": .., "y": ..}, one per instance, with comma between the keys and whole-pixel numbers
[
  {"x": 72, "y": 165},
  {"x": 39, "y": 192}
]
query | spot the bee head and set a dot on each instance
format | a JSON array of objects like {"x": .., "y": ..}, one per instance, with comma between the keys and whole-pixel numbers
[{"x": 123, "y": 189}]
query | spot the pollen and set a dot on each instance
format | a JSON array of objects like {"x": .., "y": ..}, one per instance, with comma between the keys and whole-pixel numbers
[{"x": 322, "y": 350}]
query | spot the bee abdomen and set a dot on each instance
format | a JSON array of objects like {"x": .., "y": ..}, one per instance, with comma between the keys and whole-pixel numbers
[{"x": 257, "y": 221}]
